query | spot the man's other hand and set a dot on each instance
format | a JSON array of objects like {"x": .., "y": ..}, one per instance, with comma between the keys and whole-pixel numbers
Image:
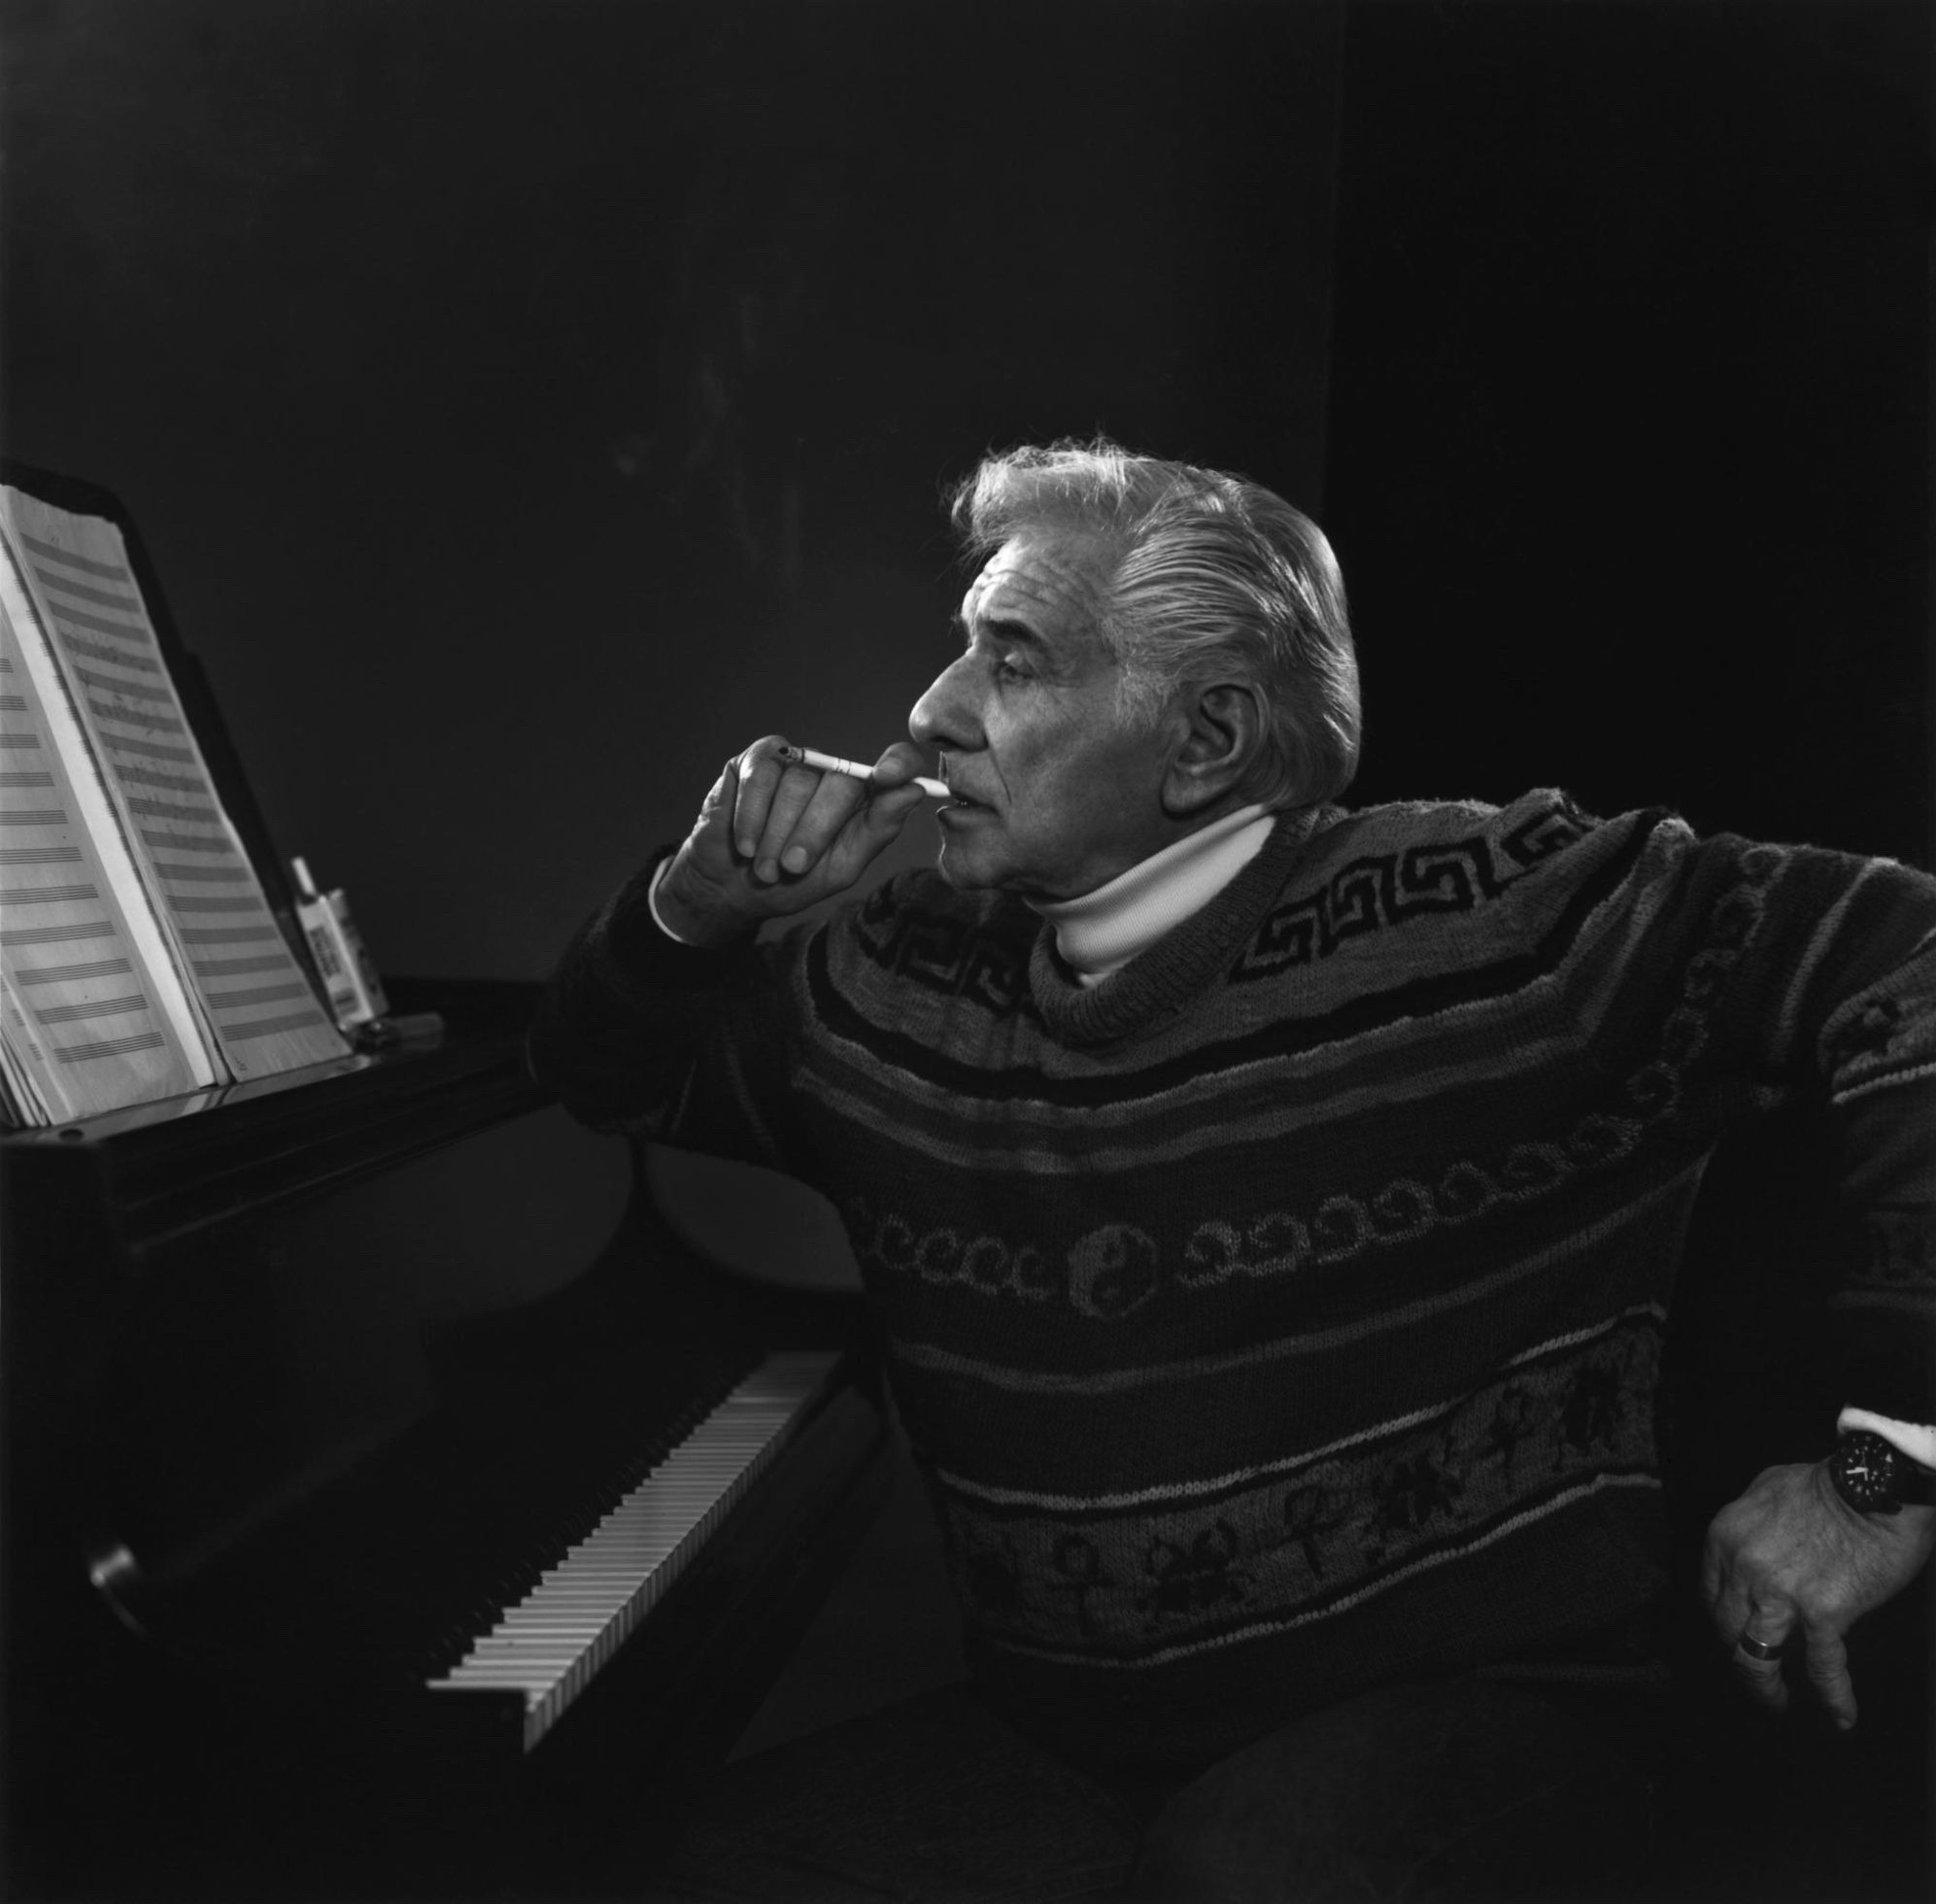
[
  {"x": 1791, "y": 1557},
  {"x": 773, "y": 838}
]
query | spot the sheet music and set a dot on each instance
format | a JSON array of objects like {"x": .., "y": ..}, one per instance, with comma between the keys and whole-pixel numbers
[
  {"x": 258, "y": 1002},
  {"x": 96, "y": 1015}
]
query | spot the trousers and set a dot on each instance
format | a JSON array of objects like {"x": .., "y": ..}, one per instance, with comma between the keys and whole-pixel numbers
[{"x": 1456, "y": 1789}]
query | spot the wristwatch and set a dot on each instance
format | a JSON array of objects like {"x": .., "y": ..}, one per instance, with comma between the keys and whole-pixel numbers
[{"x": 1874, "y": 1477}]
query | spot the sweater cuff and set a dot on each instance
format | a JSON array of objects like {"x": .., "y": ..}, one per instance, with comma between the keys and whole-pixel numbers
[{"x": 648, "y": 954}]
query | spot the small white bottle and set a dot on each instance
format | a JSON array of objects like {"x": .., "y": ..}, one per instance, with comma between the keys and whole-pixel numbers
[{"x": 349, "y": 975}]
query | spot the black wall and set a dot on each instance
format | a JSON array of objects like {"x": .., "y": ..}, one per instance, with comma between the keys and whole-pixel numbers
[
  {"x": 528, "y": 402},
  {"x": 1629, "y": 424}
]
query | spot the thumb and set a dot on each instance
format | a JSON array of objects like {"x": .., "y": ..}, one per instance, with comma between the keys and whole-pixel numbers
[
  {"x": 1828, "y": 1674},
  {"x": 901, "y": 761},
  {"x": 871, "y": 829},
  {"x": 885, "y": 814}
]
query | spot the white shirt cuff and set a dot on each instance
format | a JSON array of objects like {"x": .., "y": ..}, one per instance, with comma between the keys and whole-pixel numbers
[
  {"x": 652, "y": 901},
  {"x": 1910, "y": 1437}
]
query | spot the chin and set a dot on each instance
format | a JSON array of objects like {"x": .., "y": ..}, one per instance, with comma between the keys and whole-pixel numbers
[{"x": 962, "y": 870}]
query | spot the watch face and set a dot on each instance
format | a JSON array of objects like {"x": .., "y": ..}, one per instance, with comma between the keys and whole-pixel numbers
[{"x": 1864, "y": 1470}]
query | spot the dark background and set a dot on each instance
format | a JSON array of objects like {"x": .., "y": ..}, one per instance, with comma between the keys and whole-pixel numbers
[
  {"x": 527, "y": 404},
  {"x": 1629, "y": 415},
  {"x": 530, "y": 405}
]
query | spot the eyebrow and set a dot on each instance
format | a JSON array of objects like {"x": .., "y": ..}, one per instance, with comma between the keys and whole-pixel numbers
[{"x": 1005, "y": 627}]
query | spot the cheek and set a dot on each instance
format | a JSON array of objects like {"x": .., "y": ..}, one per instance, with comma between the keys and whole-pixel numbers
[{"x": 1058, "y": 753}]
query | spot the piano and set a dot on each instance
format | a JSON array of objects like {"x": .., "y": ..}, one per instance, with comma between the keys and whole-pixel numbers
[
  {"x": 484, "y": 1648},
  {"x": 313, "y": 1589}
]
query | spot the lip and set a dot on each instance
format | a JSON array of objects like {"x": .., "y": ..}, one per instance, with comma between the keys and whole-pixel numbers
[{"x": 960, "y": 800}]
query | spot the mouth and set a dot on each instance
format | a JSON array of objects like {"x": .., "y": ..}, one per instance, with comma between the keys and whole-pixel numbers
[
  {"x": 955, "y": 798},
  {"x": 960, "y": 803}
]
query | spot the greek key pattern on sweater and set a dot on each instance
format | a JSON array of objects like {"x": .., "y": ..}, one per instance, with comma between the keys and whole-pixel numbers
[
  {"x": 944, "y": 955},
  {"x": 1152, "y": 1584},
  {"x": 1114, "y": 1268},
  {"x": 1387, "y": 889}
]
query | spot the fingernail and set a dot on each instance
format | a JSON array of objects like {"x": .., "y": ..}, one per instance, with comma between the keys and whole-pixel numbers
[
  {"x": 745, "y": 849},
  {"x": 793, "y": 858}
]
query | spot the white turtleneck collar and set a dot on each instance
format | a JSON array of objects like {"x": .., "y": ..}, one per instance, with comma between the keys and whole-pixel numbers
[{"x": 1102, "y": 932}]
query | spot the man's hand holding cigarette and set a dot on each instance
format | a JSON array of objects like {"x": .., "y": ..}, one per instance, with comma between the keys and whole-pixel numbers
[{"x": 777, "y": 835}]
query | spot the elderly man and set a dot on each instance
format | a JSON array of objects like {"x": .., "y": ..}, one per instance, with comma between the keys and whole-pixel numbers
[{"x": 1268, "y": 1211}]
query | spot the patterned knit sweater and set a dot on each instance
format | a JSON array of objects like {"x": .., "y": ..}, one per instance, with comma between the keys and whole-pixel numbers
[{"x": 1282, "y": 1315}]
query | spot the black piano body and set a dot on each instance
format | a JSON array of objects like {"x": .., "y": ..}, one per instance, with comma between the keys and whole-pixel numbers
[{"x": 232, "y": 1576}]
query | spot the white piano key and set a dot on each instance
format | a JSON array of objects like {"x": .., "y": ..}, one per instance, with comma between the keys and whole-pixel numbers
[{"x": 587, "y": 1602}]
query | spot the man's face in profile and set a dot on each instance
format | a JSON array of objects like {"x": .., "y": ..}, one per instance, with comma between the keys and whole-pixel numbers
[{"x": 1056, "y": 792}]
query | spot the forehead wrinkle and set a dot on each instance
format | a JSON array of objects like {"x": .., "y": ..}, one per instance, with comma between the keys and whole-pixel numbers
[
  {"x": 1002, "y": 628},
  {"x": 1060, "y": 579}
]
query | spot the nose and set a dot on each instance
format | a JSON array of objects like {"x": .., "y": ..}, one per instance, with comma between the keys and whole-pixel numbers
[{"x": 946, "y": 715}]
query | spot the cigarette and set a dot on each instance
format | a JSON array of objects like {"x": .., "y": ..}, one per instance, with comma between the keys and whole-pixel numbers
[{"x": 854, "y": 771}]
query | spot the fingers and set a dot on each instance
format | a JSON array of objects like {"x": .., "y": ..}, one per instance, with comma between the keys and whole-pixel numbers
[
  {"x": 757, "y": 777},
  {"x": 787, "y": 816},
  {"x": 1761, "y": 1678},
  {"x": 790, "y": 821},
  {"x": 1828, "y": 1674},
  {"x": 1736, "y": 1613},
  {"x": 1826, "y": 1664},
  {"x": 808, "y": 811}
]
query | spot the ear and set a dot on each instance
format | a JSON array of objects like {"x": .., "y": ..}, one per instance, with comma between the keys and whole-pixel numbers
[{"x": 1221, "y": 729}]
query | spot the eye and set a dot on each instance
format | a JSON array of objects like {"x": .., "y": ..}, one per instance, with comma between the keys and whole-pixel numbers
[{"x": 1009, "y": 668}]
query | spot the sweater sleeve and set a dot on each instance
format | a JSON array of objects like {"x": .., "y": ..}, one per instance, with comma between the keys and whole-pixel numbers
[
  {"x": 1835, "y": 996},
  {"x": 640, "y": 1034}
]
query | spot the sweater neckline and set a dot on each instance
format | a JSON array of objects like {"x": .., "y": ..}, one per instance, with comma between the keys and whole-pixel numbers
[
  {"x": 1102, "y": 931},
  {"x": 1161, "y": 980}
]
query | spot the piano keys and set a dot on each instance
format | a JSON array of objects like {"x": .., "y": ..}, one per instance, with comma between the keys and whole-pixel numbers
[
  {"x": 553, "y": 1641},
  {"x": 221, "y": 1648}
]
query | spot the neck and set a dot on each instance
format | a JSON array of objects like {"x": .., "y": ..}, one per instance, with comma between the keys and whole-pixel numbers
[{"x": 1102, "y": 931}]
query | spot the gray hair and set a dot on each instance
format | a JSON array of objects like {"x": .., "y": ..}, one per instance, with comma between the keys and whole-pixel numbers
[{"x": 1210, "y": 576}]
